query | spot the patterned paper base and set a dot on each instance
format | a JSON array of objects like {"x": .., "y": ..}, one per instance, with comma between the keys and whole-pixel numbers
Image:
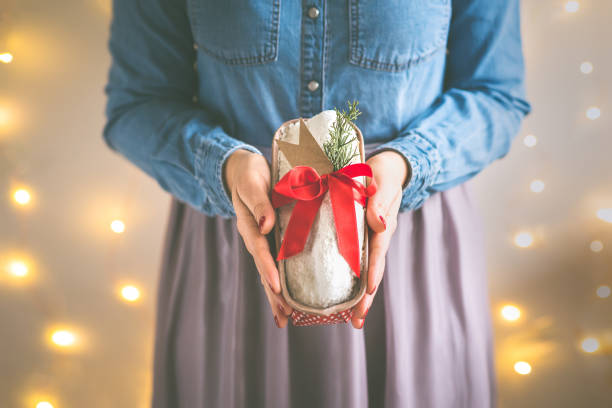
[{"x": 305, "y": 319}]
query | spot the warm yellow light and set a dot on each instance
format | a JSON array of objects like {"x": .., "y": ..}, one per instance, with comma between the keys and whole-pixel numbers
[
  {"x": 523, "y": 239},
  {"x": 6, "y": 57},
  {"x": 586, "y": 67},
  {"x": 603, "y": 291},
  {"x": 530, "y": 141},
  {"x": 130, "y": 293},
  {"x": 537, "y": 186},
  {"x": 572, "y": 6},
  {"x": 18, "y": 268},
  {"x": 22, "y": 196},
  {"x": 44, "y": 404},
  {"x": 593, "y": 113},
  {"x": 522, "y": 367},
  {"x": 117, "y": 226},
  {"x": 596, "y": 246},
  {"x": 605, "y": 214},
  {"x": 510, "y": 313},
  {"x": 5, "y": 116},
  {"x": 63, "y": 338},
  {"x": 590, "y": 345}
]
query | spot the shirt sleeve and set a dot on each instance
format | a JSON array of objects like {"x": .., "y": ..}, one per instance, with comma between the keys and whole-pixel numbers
[
  {"x": 474, "y": 120},
  {"x": 152, "y": 118}
]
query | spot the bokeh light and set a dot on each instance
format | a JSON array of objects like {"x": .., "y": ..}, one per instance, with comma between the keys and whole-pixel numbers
[
  {"x": 22, "y": 196},
  {"x": 130, "y": 293},
  {"x": 603, "y": 291},
  {"x": 605, "y": 214},
  {"x": 537, "y": 186},
  {"x": 596, "y": 246},
  {"x": 523, "y": 239},
  {"x": 593, "y": 113},
  {"x": 18, "y": 268},
  {"x": 63, "y": 338},
  {"x": 530, "y": 140},
  {"x": 5, "y": 116},
  {"x": 44, "y": 404},
  {"x": 117, "y": 226},
  {"x": 510, "y": 313},
  {"x": 6, "y": 57},
  {"x": 590, "y": 345},
  {"x": 586, "y": 67},
  {"x": 572, "y": 6},
  {"x": 522, "y": 367}
]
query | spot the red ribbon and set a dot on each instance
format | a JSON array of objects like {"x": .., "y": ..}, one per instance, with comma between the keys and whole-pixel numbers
[{"x": 304, "y": 185}]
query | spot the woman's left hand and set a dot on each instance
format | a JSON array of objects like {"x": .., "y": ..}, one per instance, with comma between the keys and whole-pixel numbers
[{"x": 390, "y": 170}]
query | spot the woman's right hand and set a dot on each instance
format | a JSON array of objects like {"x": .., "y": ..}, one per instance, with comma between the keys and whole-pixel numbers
[{"x": 247, "y": 178}]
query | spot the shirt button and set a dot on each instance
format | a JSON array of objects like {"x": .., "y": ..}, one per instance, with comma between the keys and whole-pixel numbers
[
  {"x": 313, "y": 12},
  {"x": 313, "y": 86}
]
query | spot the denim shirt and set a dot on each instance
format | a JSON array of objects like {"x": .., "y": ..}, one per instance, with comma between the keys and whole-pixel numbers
[{"x": 191, "y": 81}]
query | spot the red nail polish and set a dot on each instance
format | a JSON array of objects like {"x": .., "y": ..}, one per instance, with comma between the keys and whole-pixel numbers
[
  {"x": 383, "y": 221},
  {"x": 276, "y": 321},
  {"x": 366, "y": 312},
  {"x": 261, "y": 222},
  {"x": 373, "y": 290},
  {"x": 362, "y": 322}
]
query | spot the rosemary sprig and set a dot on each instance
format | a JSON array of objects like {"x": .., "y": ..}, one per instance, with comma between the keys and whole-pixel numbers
[{"x": 339, "y": 147}]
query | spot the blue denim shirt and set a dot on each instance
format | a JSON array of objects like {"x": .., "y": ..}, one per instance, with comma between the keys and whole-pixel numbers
[{"x": 439, "y": 81}]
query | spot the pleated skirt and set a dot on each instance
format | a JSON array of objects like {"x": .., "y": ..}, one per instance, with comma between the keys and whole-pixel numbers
[{"x": 426, "y": 342}]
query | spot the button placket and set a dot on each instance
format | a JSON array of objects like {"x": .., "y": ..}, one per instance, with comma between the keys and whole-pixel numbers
[{"x": 313, "y": 36}]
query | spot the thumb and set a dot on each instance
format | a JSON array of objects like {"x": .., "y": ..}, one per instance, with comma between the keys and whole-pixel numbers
[{"x": 254, "y": 194}]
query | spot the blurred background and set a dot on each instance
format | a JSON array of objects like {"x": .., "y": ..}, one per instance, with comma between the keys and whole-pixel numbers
[{"x": 81, "y": 228}]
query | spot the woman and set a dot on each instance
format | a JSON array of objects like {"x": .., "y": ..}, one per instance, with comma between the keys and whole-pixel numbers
[{"x": 196, "y": 91}]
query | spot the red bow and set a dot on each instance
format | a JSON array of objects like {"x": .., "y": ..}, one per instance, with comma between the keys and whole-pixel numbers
[{"x": 304, "y": 185}]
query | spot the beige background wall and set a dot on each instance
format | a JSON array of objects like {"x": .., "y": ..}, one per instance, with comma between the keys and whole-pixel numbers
[{"x": 51, "y": 118}]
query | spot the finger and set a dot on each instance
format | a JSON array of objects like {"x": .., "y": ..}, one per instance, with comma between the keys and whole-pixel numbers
[
  {"x": 378, "y": 245},
  {"x": 280, "y": 309},
  {"x": 379, "y": 204},
  {"x": 361, "y": 309},
  {"x": 279, "y": 301},
  {"x": 253, "y": 191},
  {"x": 256, "y": 244}
]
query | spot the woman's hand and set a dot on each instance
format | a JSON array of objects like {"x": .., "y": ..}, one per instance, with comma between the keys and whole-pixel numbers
[
  {"x": 247, "y": 177},
  {"x": 390, "y": 171}
]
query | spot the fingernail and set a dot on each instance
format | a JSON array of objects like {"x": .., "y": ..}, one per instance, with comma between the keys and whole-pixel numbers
[
  {"x": 372, "y": 291},
  {"x": 383, "y": 221},
  {"x": 366, "y": 312},
  {"x": 361, "y": 325},
  {"x": 261, "y": 222},
  {"x": 277, "y": 323}
]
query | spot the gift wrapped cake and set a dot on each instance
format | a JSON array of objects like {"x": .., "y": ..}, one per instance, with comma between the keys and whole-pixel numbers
[{"x": 319, "y": 193}]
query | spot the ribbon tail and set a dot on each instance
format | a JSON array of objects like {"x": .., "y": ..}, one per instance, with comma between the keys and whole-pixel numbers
[
  {"x": 299, "y": 225},
  {"x": 343, "y": 207}
]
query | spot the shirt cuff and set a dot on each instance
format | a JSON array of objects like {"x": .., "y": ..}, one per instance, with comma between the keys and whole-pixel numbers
[
  {"x": 424, "y": 161},
  {"x": 210, "y": 156}
]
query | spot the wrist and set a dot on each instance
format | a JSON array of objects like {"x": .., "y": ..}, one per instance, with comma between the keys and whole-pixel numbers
[
  {"x": 230, "y": 166},
  {"x": 401, "y": 169}
]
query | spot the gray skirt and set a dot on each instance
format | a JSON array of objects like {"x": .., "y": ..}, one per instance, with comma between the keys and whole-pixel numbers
[{"x": 426, "y": 342}]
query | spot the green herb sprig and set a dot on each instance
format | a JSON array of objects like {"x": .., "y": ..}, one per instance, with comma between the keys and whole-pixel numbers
[{"x": 339, "y": 147}]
